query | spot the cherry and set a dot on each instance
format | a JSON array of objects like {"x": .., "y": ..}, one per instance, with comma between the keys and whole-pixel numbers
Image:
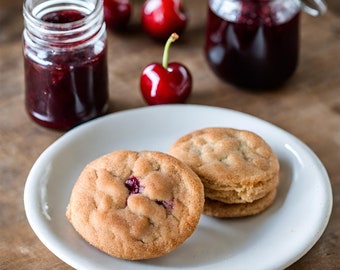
[
  {"x": 133, "y": 185},
  {"x": 117, "y": 14},
  {"x": 166, "y": 83},
  {"x": 161, "y": 18},
  {"x": 167, "y": 205}
]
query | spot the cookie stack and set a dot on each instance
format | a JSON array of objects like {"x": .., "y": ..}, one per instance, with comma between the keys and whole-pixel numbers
[{"x": 238, "y": 169}]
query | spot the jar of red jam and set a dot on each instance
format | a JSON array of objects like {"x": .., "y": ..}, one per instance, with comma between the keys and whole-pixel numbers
[
  {"x": 65, "y": 61},
  {"x": 255, "y": 43}
]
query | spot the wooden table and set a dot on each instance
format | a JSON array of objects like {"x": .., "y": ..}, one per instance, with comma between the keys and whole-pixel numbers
[{"x": 308, "y": 106}]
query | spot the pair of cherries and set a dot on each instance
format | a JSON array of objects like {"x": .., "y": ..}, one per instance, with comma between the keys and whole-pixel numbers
[
  {"x": 160, "y": 83},
  {"x": 159, "y": 18}
]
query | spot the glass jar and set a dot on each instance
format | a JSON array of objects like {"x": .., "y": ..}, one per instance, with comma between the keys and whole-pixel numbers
[
  {"x": 255, "y": 43},
  {"x": 65, "y": 61}
]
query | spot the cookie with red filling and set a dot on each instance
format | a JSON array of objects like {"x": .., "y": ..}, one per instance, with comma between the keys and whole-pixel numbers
[{"x": 136, "y": 205}]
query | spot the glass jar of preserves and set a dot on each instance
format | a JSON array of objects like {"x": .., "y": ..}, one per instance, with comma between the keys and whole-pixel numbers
[
  {"x": 255, "y": 43},
  {"x": 65, "y": 61}
]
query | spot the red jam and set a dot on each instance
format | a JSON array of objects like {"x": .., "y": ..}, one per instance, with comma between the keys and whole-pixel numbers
[
  {"x": 63, "y": 16},
  {"x": 133, "y": 185},
  {"x": 254, "y": 51},
  {"x": 68, "y": 88}
]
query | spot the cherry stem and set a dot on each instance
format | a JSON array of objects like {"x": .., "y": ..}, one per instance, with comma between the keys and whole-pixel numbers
[{"x": 170, "y": 40}]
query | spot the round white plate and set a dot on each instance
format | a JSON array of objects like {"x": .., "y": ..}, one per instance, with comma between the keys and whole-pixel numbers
[{"x": 272, "y": 240}]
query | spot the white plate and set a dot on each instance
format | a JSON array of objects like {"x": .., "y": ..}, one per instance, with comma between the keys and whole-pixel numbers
[{"x": 272, "y": 240}]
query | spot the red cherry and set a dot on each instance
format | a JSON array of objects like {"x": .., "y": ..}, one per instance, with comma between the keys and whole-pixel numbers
[
  {"x": 117, "y": 14},
  {"x": 161, "y": 18},
  {"x": 166, "y": 83},
  {"x": 133, "y": 185}
]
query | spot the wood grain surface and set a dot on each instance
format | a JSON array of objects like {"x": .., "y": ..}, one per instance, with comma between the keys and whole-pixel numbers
[{"x": 308, "y": 106}]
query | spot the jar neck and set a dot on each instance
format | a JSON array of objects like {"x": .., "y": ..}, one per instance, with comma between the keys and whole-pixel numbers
[
  {"x": 59, "y": 34},
  {"x": 278, "y": 11}
]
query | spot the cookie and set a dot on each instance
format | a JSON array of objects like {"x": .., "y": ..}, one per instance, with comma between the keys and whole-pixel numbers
[
  {"x": 231, "y": 196},
  {"x": 225, "y": 210},
  {"x": 235, "y": 166},
  {"x": 136, "y": 205}
]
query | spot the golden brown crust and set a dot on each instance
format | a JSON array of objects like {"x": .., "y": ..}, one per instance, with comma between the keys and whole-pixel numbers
[
  {"x": 136, "y": 225},
  {"x": 224, "y": 210},
  {"x": 248, "y": 191},
  {"x": 236, "y": 166}
]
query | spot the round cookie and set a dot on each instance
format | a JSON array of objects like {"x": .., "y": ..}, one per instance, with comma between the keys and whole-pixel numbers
[
  {"x": 225, "y": 210},
  {"x": 136, "y": 205},
  {"x": 237, "y": 165}
]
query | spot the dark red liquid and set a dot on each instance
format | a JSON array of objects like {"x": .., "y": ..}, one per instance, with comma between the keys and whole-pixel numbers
[
  {"x": 63, "y": 16},
  {"x": 253, "y": 52},
  {"x": 71, "y": 90}
]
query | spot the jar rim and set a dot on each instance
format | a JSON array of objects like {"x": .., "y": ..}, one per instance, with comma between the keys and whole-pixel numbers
[
  {"x": 43, "y": 32},
  {"x": 33, "y": 13}
]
